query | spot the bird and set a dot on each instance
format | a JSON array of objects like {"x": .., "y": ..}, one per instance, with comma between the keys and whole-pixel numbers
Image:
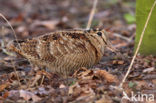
[{"x": 64, "y": 51}]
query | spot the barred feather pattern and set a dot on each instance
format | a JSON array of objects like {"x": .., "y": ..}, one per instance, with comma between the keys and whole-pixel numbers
[{"x": 63, "y": 51}]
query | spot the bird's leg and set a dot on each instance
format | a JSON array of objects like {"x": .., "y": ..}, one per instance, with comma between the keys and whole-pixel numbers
[
  {"x": 42, "y": 80},
  {"x": 40, "y": 75},
  {"x": 43, "y": 76}
]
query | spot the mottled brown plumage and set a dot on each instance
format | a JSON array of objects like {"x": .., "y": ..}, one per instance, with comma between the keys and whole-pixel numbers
[{"x": 63, "y": 51}]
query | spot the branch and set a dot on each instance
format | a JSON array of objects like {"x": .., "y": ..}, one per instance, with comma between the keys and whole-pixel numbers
[
  {"x": 138, "y": 46},
  {"x": 92, "y": 14}
]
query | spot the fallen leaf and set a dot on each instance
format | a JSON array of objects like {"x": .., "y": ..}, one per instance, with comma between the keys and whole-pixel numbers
[
  {"x": 14, "y": 94},
  {"x": 84, "y": 73},
  {"x": 105, "y": 75},
  {"x": 104, "y": 99},
  {"x": 87, "y": 95},
  {"x": 19, "y": 18},
  {"x": 3, "y": 86},
  {"x": 71, "y": 88},
  {"x": 77, "y": 72},
  {"x": 148, "y": 70},
  {"x": 141, "y": 84},
  {"x": 50, "y": 24},
  {"x": 6, "y": 94},
  {"x": 62, "y": 86},
  {"x": 120, "y": 62},
  {"x": 26, "y": 95},
  {"x": 1, "y": 98},
  {"x": 42, "y": 91},
  {"x": 154, "y": 82},
  {"x": 29, "y": 95}
]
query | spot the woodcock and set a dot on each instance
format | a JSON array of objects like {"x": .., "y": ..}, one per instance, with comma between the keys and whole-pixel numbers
[{"x": 63, "y": 52}]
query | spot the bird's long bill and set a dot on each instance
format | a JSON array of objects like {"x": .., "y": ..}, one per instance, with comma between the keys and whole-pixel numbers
[
  {"x": 114, "y": 50},
  {"x": 110, "y": 47}
]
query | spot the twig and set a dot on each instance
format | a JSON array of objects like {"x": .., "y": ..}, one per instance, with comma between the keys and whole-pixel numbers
[
  {"x": 18, "y": 45},
  {"x": 91, "y": 14},
  {"x": 139, "y": 44},
  {"x": 122, "y": 37},
  {"x": 10, "y": 27}
]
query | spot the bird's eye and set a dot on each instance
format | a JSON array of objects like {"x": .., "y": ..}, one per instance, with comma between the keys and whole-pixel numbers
[{"x": 99, "y": 33}]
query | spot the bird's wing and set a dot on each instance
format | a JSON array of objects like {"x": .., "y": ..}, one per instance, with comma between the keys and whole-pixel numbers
[{"x": 52, "y": 46}]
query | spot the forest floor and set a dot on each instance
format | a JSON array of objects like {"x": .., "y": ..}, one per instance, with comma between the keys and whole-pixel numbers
[{"x": 31, "y": 18}]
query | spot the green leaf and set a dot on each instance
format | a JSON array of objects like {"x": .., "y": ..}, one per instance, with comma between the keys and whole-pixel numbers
[
  {"x": 129, "y": 18},
  {"x": 148, "y": 45},
  {"x": 132, "y": 84},
  {"x": 113, "y": 1}
]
